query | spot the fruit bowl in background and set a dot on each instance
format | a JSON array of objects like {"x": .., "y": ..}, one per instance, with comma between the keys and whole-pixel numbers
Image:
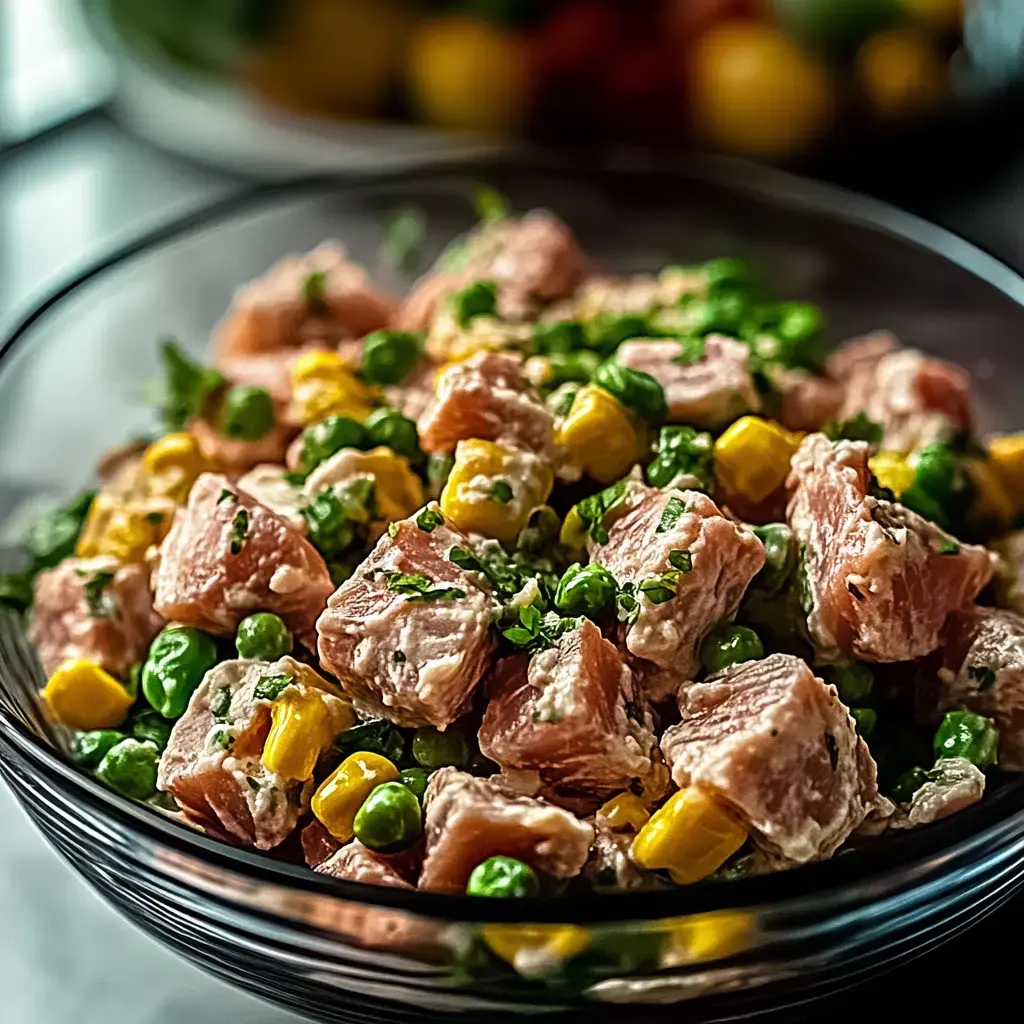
[
  {"x": 71, "y": 380},
  {"x": 271, "y": 85}
]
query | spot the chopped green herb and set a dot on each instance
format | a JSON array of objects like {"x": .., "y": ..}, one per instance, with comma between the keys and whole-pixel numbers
[
  {"x": 681, "y": 560},
  {"x": 857, "y": 428},
  {"x": 675, "y": 509},
  {"x": 683, "y": 451},
  {"x": 394, "y": 527},
  {"x": 187, "y": 385},
  {"x": 225, "y": 495},
  {"x": 404, "y": 232},
  {"x": 465, "y": 559},
  {"x": 478, "y": 299},
  {"x": 100, "y": 604},
  {"x": 314, "y": 288},
  {"x": 428, "y": 520},
  {"x": 490, "y": 204},
  {"x": 948, "y": 546},
  {"x": 377, "y": 736},
  {"x": 593, "y": 510},
  {"x": 416, "y": 587},
  {"x": 221, "y": 739},
  {"x": 252, "y": 783},
  {"x": 659, "y": 589},
  {"x": 271, "y": 687},
  {"x": 537, "y": 631},
  {"x": 501, "y": 492},
  {"x": 399, "y": 657},
  {"x": 16, "y": 590},
  {"x": 155, "y": 518},
  {"x": 239, "y": 530},
  {"x": 691, "y": 350},
  {"x": 220, "y": 703}
]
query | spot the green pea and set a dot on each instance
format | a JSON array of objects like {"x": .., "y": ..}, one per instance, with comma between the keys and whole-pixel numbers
[
  {"x": 559, "y": 338},
  {"x": 635, "y": 389},
  {"x": 907, "y": 784},
  {"x": 683, "y": 451},
  {"x": 151, "y": 725},
  {"x": 729, "y": 645},
  {"x": 92, "y": 747},
  {"x": 724, "y": 312},
  {"x": 389, "y": 356},
  {"x": 433, "y": 749},
  {"x": 322, "y": 440},
  {"x": 965, "y": 734},
  {"x": 728, "y": 272},
  {"x": 854, "y": 682},
  {"x": 130, "y": 768},
  {"x": 415, "y": 779},
  {"x": 607, "y": 331},
  {"x": 942, "y": 489},
  {"x": 503, "y": 878},
  {"x": 178, "y": 659},
  {"x": 263, "y": 636},
  {"x": 479, "y": 299},
  {"x": 390, "y": 428},
  {"x": 936, "y": 469},
  {"x": 798, "y": 321},
  {"x": 571, "y": 368},
  {"x": 866, "y": 719},
  {"x": 780, "y": 551},
  {"x": 247, "y": 413},
  {"x": 390, "y": 819},
  {"x": 585, "y": 590}
]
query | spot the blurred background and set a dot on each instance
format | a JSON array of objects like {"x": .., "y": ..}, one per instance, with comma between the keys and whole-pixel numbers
[{"x": 119, "y": 115}]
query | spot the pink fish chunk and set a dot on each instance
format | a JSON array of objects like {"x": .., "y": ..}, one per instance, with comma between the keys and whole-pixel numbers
[
  {"x": 917, "y": 398},
  {"x": 356, "y": 863},
  {"x": 573, "y": 714},
  {"x": 281, "y": 310},
  {"x": 95, "y": 609},
  {"x": 533, "y": 260},
  {"x": 724, "y": 557},
  {"x": 414, "y": 659},
  {"x": 880, "y": 579},
  {"x": 213, "y": 762},
  {"x": 488, "y": 397},
  {"x": 779, "y": 748},
  {"x": 806, "y": 401},
  {"x": 708, "y": 393},
  {"x": 470, "y": 819},
  {"x": 983, "y": 671},
  {"x": 228, "y": 556}
]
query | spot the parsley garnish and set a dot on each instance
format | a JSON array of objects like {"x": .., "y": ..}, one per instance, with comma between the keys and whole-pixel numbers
[
  {"x": 857, "y": 428},
  {"x": 221, "y": 739},
  {"x": 948, "y": 546},
  {"x": 664, "y": 586},
  {"x": 393, "y": 529},
  {"x": 681, "y": 560},
  {"x": 675, "y": 509},
  {"x": 465, "y": 559},
  {"x": 239, "y": 530},
  {"x": 187, "y": 385},
  {"x": 490, "y": 204},
  {"x": 501, "y": 492},
  {"x": 225, "y": 495},
  {"x": 271, "y": 687},
  {"x": 220, "y": 702},
  {"x": 100, "y": 604},
  {"x": 538, "y": 632},
  {"x": 984, "y": 675},
  {"x": 401, "y": 244},
  {"x": 416, "y": 587},
  {"x": 691, "y": 350},
  {"x": 252, "y": 783},
  {"x": 314, "y": 289},
  {"x": 399, "y": 657},
  {"x": 592, "y": 510},
  {"x": 428, "y": 520}
]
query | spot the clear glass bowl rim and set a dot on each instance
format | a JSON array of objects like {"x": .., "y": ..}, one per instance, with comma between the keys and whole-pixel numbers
[{"x": 886, "y": 864}]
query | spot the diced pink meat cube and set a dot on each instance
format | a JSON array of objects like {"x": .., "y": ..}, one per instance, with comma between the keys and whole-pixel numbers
[
  {"x": 880, "y": 579},
  {"x": 355, "y": 863},
  {"x": 533, "y": 259},
  {"x": 807, "y": 401},
  {"x": 228, "y": 556},
  {"x": 235, "y": 456},
  {"x": 409, "y": 657},
  {"x": 917, "y": 398},
  {"x": 708, "y": 393},
  {"x": 274, "y": 312},
  {"x": 573, "y": 714},
  {"x": 470, "y": 819},
  {"x": 488, "y": 397},
  {"x": 412, "y": 396},
  {"x": 983, "y": 671},
  {"x": 94, "y": 609},
  {"x": 724, "y": 557},
  {"x": 213, "y": 762},
  {"x": 779, "y": 748}
]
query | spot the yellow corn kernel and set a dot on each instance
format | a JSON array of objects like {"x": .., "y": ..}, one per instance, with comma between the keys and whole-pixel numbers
[
  {"x": 82, "y": 695},
  {"x": 301, "y": 729},
  {"x": 752, "y": 457},
  {"x": 992, "y": 501},
  {"x": 342, "y": 793},
  {"x": 124, "y": 532},
  {"x": 708, "y": 936},
  {"x": 893, "y": 470},
  {"x": 623, "y": 813},
  {"x": 397, "y": 489},
  {"x": 691, "y": 835},
  {"x": 171, "y": 466},
  {"x": 492, "y": 489},
  {"x": 573, "y": 533},
  {"x": 1006, "y": 456},
  {"x": 323, "y": 385},
  {"x": 598, "y": 435},
  {"x": 535, "y": 949}
]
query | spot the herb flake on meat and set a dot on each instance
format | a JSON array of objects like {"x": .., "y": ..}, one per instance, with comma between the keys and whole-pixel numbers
[
  {"x": 415, "y": 587},
  {"x": 428, "y": 520},
  {"x": 271, "y": 687},
  {"x": 101, "y": 605},
  {"x": 239, "y": 530}
]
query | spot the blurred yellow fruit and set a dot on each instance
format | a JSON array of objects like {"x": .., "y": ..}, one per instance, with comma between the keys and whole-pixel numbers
[
  {"x": 467, "y": 74},
  {"x": 943, "y": 14},
  {"x": 755, "y": 91},
  {"x": 901, "y": 72}
]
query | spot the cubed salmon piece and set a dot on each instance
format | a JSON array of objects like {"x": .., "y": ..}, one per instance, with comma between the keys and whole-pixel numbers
[
  {"x": 780, "y": 749},
  {"x": 952, "y": 785},
  {"x": 95, "y": 609},
  {"x": 468, "y": 820},
  {"x": 412, "y": 396},
  {"x": 213, "y": 762},
  {"x": 400, "y": 653},
  {"x": 573, "y": 714},
  {"x": 879, "y": 579},
  {"x": 723, "y": 558},
  {"x": 355, "y": 863},
  {"x": 280, "y": 311},
  {"x": 488, "y": 396},
  {"x": 228, "y": 556},
  {"x": 317, "y": 844},
  {"x": 708, "y": 393},
  {"x": 533, "y": 259},
  {"x": 806, "y": 401},
  {"x": 983, "y": 671},
  {"x": 234, "y": 456},
  {"x": 916, "y": 398}
]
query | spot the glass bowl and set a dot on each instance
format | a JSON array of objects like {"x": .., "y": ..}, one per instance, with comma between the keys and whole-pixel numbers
[{"x": 72, "y": 381}]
